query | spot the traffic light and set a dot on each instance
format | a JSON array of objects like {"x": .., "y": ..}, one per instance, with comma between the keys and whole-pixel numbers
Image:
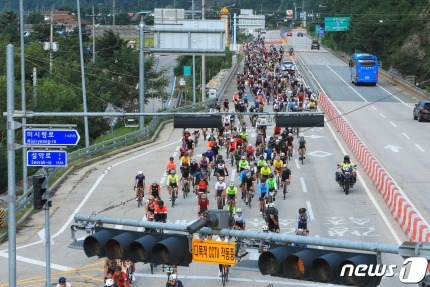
[
  {"x": 199, "y": 121},
  {"x": 172, "y": 249},
  {"x": 39, "y": 190},
  {"x": 325, "y": 266},
  {"x": 215, "y": 219}
]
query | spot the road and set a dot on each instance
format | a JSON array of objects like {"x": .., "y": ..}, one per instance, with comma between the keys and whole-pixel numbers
[{"x": 362, "y": 215}]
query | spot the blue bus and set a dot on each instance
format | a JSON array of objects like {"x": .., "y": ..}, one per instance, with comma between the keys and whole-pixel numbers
[{"x": 364, "y": 69}]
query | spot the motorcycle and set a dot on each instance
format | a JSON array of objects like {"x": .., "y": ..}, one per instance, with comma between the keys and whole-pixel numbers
[
  {"x": 347, "y": 177},
  {"x": 291, "y": 51}
]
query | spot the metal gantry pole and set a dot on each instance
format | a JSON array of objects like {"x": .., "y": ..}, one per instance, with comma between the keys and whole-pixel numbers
[
  {"x": 84, "y": 90},
  {"x": 47, "y": 233},
  {"x": 194, "y": 62},
  {"x": 10, "y": 65},
  {"x": 23, "y": 95},
  {"x": 203, "y": 61},
  {"x": 141, "y": 72}
]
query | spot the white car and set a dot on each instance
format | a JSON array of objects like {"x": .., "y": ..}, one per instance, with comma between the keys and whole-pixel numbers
[{"x": 287, "y": 66}]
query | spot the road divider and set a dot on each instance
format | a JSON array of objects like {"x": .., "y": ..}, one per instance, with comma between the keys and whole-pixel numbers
[{"x": 410, "y": 220}]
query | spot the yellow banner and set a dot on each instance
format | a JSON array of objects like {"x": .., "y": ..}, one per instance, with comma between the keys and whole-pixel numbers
[{"x": 211, "y": 251}]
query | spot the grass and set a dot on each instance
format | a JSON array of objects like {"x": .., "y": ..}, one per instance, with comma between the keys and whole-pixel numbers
[{"x": 149, "y": 42}]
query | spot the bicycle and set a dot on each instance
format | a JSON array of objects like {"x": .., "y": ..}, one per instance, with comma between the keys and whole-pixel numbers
[
  {"x": 249, "y": 195},
  {"x": 301, "y": 155},
  {"x": 139, "y": 196},
  {"x": 186, "y": 188},
  {"x": 285, "y": 184},
  {"x": 128, "y": 264},
  {"x": 290, "y": 152},
  {"x": 224, "y": 273}
]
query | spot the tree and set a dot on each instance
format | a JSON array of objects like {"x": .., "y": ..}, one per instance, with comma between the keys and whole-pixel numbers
[
  {"x": 35, "y": 18},
  {"x": 9, "y": 26}
]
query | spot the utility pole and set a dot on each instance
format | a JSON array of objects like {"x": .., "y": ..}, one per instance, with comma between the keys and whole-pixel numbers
[
  {"x": 94, "y": 39},
  {"x": 34, "y": 88},
  {"x": 141, "y": 72},
  {"x": 51, "y": 41},
  {"x": 194, "y": 62},
  {"x": 203, "y": 61},
  {"x": 113, "y": 12}
]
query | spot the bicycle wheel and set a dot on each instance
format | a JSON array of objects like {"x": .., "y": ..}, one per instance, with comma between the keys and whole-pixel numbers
[
  {"x": 302, "y": 158},
  {"x": 173, "y": 197},
  {"x": 284, "y": 190},
  {"x": 184, "y": 190},
  {"x": 127, "y": 270},
  {"x": 232, "y": 160},
  {"x": 223, "y": 276},
  {"x": 249, "y": 198},
  {"x": 152, "y": 267}
]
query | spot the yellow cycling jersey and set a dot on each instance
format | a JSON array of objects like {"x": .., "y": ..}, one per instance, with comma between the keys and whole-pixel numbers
[
  {"x": 185, "y": 159},
  {"x": 278, "y": 163},
  {"x": 172, "y": 178},
  {"x": 265, "y": 170}
]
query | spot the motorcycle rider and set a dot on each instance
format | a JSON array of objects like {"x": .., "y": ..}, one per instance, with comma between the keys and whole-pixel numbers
[{"x": 346, "y": 163}]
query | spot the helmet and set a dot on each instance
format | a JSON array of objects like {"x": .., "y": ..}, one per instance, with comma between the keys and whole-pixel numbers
[
  {"x": 226, "y": 100},
  {"x": 232, "y": 140},
  {"x": 151, "y": 197},
  {"x": 220, "y": 178},
  {"x": 171, "y": 158},
  {"x": 282, "y": 154},
  {"x": 62, "y": 280},
  {"x": 172, "y": 277},
  {"x": 299, "y": 231},
  {"x": 220, "y": 156},
  {"x": 239, "y": 210},
  {"x": 248, "y": 174},
  {"x": 290, "y": 134},
  {"x": 302, "y": 210},
  {"x": 265, "y": 228},
  {"x": 140, "y": 172},
  {"x": 302, "y": 135},
  {"x": 261, "y": 157},
  {"x": 193, "y": 160},
  {"x": 285, "y": 166},
  {"x": 203, "y": 196},
  {"x": 109, "y": 282},
  {"x": 246, "y": 167},
  {"x": 231, "y": 183},
  {"x": 243, "y": 157},
  {"x": 252, "y": 107},
  {"x": 277, "y": 157},
  {"x": 203, "y": 155},
  {"x": 118, "y": 268},
  {"x": 271, "y": 175},
  {"x": 154, "y": 181},
  {"x": 209, "y": 148},
  {"x": 173, "y": 171},
  {"x": 346, "y": 158},
  {"x": 263, "y": 180},
  {"x": 271, "y": 204},
  {"x": 249, "y": 144},
  {"x": 266, "y": 164},
  {"x": 160, "y": 203}
]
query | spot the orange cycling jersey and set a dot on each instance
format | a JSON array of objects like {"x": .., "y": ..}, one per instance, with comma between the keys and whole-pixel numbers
[{"x": 171, "y": 165}]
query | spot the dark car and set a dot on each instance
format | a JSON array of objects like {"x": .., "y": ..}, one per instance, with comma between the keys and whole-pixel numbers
[
  {"x": 300, "y": 34},
  {"x": 289, "y": 33},
  {"x": 422, "y": 110},
  {"x": 315, "y": 45}
]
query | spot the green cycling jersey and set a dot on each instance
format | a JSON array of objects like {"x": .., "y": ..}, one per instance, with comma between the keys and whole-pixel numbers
[
  {"x": 261, "y": 162},
  {"x": 243, "y": 163},
  {"x": 231, "y": 191},
  {"x": 271, "y": 183}
]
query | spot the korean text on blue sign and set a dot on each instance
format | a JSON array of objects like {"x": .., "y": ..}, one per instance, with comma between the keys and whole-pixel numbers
[
  {"x": 51, "y": 137},
  {"x": 46, "y": 158}
]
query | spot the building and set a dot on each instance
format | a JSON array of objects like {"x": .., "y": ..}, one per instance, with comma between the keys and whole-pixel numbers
[{"x": 63, "y": 20}]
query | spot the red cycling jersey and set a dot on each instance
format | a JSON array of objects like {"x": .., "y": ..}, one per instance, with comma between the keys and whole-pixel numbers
[{"x": 121, "y": 280}]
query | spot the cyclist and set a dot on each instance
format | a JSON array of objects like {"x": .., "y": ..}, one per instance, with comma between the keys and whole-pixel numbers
[
  {"x": 231, "y": 148},
  {"x": 302, "y": 219},
  {"x": 239, "y": 220},
  {"x": 202, "y": 186},
  {"x": 183, "y": 149},
  {"x": 191, "y": 146},
  {"x": 109, "y": 266},
  {"x": 62, "y": 282},
  {"x": 268, "y": 155},
  {"x": 272, "y": 220},
  {"x": 120, "y": 277},
  {"x": 263, "y": 190},
  {"x": 185, "y": 135},
  {"x": 139, "y": 184},
  {"x": 220, "y": 191},
  {"x": 302, "y": 146},
  {"x": 185, "y": 159},
  {"x": 160, "y": 212},
  {"x": 226, "y": 105},
  {"x": 250, "y": 152},
  {"x": 302, "y": 232},
  {"x": 260, "y": 164},
  {"x": 154, "y": 189},
  {"x": 150, "y": 207},
  {"x": 277, "y": 165},
  {"x": 231, "y": 192},
  {"x": 204, "y": 163},
  {"x": 193, "y": 168},
  {"x": 242, "y": 164},
  {"x": 202, "y": 204},
  {"x": 248, "y": 186},
  {"x": 110, "y": 283},
  {"x": 221, "y": 169},
  {"x": 289, "y": 140},
  {"x": 172, "y": 181},
  {"x": 273, "y": 188},
  {"x": 197, "y": 176},
  {"x": 171, "y": 165},
  {"x": 174, "y": 282},
  {"x": 265, "y": 171},
  {"x": 185, "y": 170}
]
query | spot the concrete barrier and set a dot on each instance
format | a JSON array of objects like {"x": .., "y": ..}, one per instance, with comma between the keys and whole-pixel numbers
[{"x": 415, "y": 227}]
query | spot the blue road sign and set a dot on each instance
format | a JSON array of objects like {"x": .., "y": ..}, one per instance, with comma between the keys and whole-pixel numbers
[
  {"x": 51, "y": 137},
  {"x": 46, "y": 158},
  {"x": 321, "y": 32}
]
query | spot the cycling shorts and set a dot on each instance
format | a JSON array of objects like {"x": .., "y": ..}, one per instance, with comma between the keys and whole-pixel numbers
[
  {"x": 173, "y": 184},
  {"x": 239, "y": 224},
  {"x": 263, "y": 195},
  {"x": 219, "y": 193},
  {"x": 231, "y": 196}
]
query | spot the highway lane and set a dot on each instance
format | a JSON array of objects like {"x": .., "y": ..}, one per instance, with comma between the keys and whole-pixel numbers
[
  {"x": 382, "y": 117},
  {"x": 110, "y": 181}
]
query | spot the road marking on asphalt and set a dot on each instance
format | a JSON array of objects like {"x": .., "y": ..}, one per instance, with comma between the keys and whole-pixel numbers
[
  {"x": 373, "y": 108},
  {"x": 311, "y": 213},
  {"x": 393, "y": 124},
  {"x": 177, "y": 148},
  {"x": 420, "y": 148},
  {"x": 90, "y": 192},
  {"x": 319, "y": 247},
  {"x": 297, "y": 163},
  {"x": 174, "y": 154},
  {"x": 302, "y": 181},
  {"x": 37, "y": 262},
  {"x": 383, "y": 116},
  {"x": 406, "y": 136},
  {"x": 358, "y": 94},
  {"x": 233, "y": 173}
]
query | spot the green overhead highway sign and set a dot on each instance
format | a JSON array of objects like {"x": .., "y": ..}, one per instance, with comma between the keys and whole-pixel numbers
[{"x": 336, "y": 24}]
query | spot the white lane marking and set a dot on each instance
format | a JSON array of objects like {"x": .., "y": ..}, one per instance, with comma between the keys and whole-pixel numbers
[
  {"x": 319, "y": 247},
  {"x": 96, "y": 184},
  {"x": 302, "y": 181},
  {"x": 358, "y": 94},
  {"x": 406, "y": 136},
  {"x": 178, "y": 147},
  {"x": 395, "y": 97},
  {"x": 233, "y": 174},
  {"x": 383, "y": 115},
  {"x": 37, "y": 262},
  {"x": 119, "y": 226},
  {"x": 162, "y": 180},
  {"x": 420, "y": 148},
  {"x": 174, "y": 154},
  {"x": 311, "y": 213},
  {"x": 297, "y": 163},
  {"x": 369, "y": 194},
  {"x": 373, "y": 108},
  {"x": 393, "y": 124}
]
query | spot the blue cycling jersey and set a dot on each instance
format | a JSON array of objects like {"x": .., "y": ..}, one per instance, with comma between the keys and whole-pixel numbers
[{"x": 263, "y": 189}]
